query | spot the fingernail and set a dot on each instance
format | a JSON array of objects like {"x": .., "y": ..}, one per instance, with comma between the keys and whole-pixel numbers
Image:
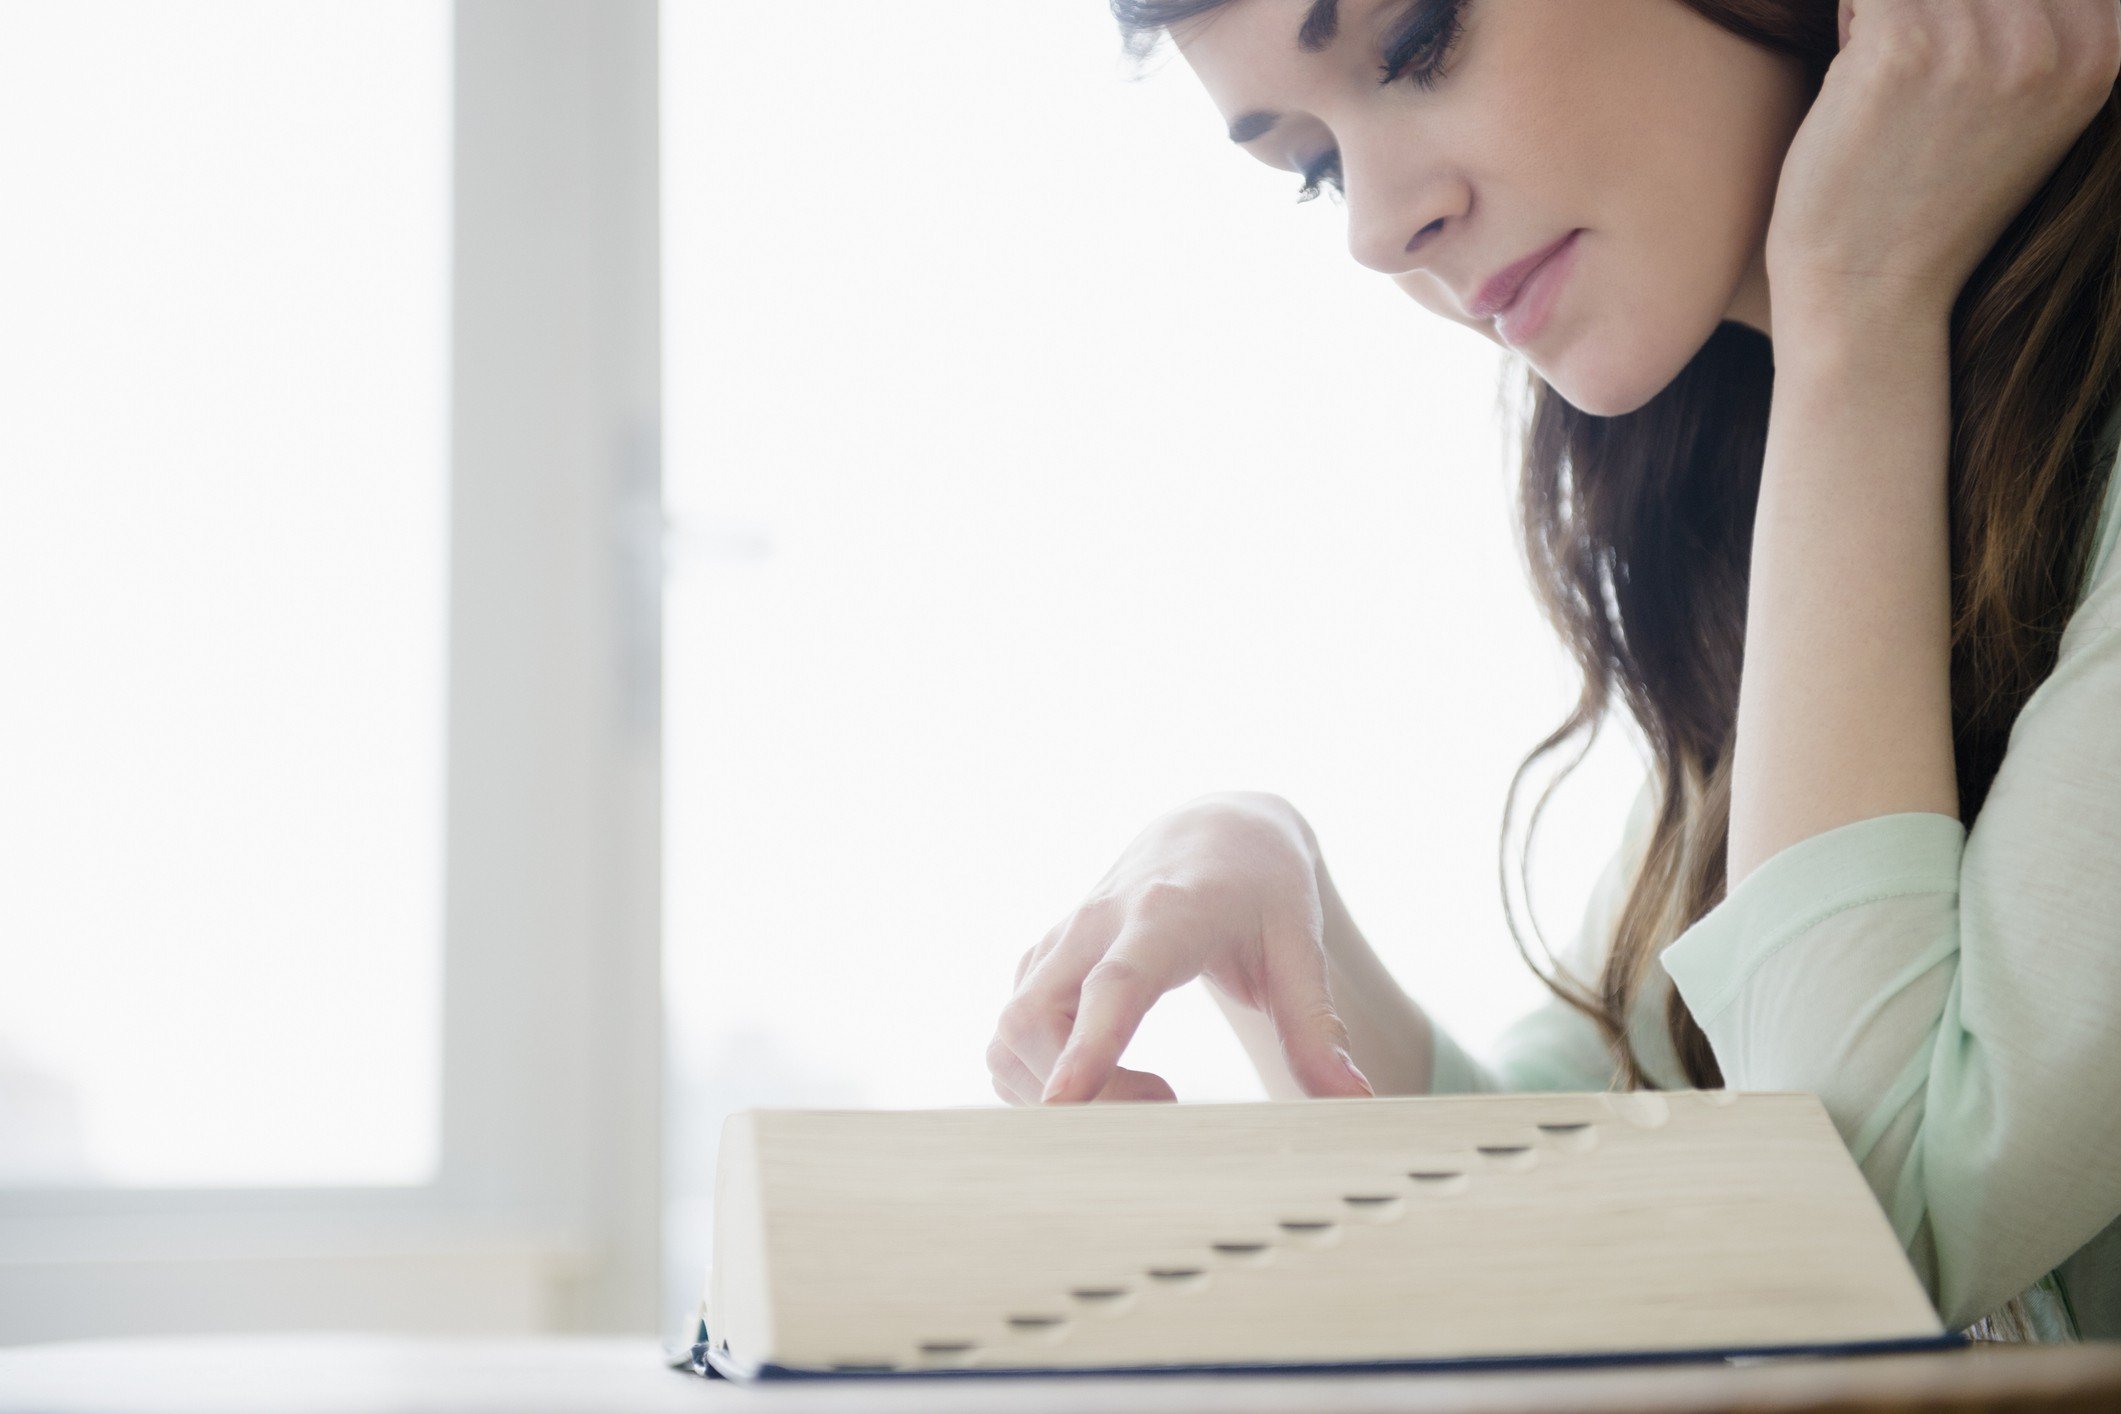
[
  {"x": 1058, "y": 1079},
  {"x": 1360, "y": 1078}
]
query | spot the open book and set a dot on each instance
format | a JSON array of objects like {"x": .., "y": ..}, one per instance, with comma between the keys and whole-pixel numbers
[{"x": 1431, "y": 1231}]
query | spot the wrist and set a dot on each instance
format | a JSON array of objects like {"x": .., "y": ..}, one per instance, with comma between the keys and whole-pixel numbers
[
  {"x": 1850, "y": 405},
  {"x": 1267, "y": 805},
  {"x": 1853, "y": 321}
]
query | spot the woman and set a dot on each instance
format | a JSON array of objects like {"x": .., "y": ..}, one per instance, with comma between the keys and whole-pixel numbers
[{"x": 1880, "y": 863}]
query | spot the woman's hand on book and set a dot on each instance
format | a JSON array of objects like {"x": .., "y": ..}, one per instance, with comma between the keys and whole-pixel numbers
[{"x": 1224, "y": 887}]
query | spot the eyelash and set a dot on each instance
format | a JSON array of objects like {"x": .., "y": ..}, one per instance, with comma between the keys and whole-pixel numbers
[{"x": 1432, "y": 31}]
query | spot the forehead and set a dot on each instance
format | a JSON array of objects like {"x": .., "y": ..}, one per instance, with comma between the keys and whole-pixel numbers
[{"x": 1261, "y": 38}]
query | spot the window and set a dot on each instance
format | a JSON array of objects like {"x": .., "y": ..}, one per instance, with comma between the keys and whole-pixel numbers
[
  {"x": 1035, "y": 465},
  {"x": 223, "y": 592},
  {"x": 329, "y": 531}
]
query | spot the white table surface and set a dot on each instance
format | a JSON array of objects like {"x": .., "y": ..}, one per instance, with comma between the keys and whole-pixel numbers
[{"x": 339, "y": 1374}]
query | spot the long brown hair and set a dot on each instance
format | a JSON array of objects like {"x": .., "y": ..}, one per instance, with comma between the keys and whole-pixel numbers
[{"x": 1637, "y": 531}]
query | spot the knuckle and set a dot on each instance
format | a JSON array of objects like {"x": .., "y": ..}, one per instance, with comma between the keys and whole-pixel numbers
[
  {"x": 2021, "y": 79},
  {"x": 1102, "y": 904},
  {"x": 2099, "y": 60},
  {"x": 1097, "y": 914},
  {"x": 1116, "y": 974},
  {"x": 1021, "y": 1018},
  {"x": 1166, "y": 898},
  {"x": 1957, "y": 70},
  {"x": 2031, "y": 65},
  {"x": 2041, "y": 57},
  {"x": 1904, "y": 52},
  {"x": 1095, "y": 917}
]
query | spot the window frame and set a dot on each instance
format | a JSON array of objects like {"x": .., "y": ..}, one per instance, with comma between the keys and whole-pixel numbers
[{"x": 544, "y": 1213}]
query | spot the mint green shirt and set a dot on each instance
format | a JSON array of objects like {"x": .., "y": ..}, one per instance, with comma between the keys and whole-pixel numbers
[{"x": 1950, "y": 994}]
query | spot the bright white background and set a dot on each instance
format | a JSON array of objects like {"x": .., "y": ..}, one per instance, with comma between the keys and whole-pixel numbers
[
  {"x": 1037, "y": 464},
  {"x": 223, "y": 500},
  {"x": 1034, "y": 464}
]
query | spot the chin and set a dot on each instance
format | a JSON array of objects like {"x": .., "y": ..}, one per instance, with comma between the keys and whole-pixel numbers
[
  {"x": 1605, "y": 395},
  {"x": 1612, "y": 382}
]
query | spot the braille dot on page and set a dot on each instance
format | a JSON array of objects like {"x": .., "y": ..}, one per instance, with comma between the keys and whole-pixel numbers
[
  {"x": 1311, "y": 1232},
  {"x": 1043, "y": 1327},
  {"x": 1375, "y": 1207},
  {"x": 1104, "y": 1300},
  {"x": 1438, "y": 1182},
  {"x": 1102, "y": 1295},
  {"x": 1509, "y": 1156},
  {"x": 1179, "y": 1278},
  {"x": 1576, "y": 1136}
]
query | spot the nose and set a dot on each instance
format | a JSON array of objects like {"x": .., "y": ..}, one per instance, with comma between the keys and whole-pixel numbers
[
  {"x": 1390, "y": 237},
  {"x": 1396, "y": 215}
]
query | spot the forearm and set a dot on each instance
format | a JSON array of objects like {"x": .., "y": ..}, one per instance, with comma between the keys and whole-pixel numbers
[
  {"x": 1844, "y": 705},
  {"x": 1388, "y": 1033}
]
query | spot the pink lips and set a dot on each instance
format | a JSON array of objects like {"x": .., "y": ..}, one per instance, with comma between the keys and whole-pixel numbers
[
  {"x": 1525, "y": 316},
  {"x": 1502, "y": 287}
]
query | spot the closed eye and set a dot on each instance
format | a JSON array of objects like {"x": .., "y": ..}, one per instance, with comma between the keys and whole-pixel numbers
[{"x": 1416, "y": 50}]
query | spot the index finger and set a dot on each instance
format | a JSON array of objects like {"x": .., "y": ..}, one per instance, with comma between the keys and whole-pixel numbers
[{"x": 1116, "y": 994}]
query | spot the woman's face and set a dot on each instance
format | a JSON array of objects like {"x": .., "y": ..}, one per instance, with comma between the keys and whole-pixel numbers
[{"x": 1654, "y": 132}]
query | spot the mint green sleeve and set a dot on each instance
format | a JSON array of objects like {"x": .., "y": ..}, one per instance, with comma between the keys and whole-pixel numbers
[
  {"x": 1554, "y": 1046},
  {"x": 1952, "y": 995},
  {"x": 1453, "y": 1070}
]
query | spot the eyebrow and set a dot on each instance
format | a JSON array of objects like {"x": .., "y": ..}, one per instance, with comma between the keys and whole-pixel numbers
[{"x": 1321, "y": 23}]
